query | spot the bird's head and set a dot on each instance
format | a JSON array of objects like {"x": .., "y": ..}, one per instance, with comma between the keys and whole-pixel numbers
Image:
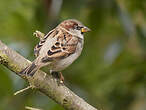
[{"x": 74, "y": 27}]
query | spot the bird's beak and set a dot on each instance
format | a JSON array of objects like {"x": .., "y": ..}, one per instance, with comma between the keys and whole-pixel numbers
[{"x": 85, "y": 29}]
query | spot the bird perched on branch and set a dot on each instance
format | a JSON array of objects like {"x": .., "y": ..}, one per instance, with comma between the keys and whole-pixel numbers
[{"x": 59, "y": 48}]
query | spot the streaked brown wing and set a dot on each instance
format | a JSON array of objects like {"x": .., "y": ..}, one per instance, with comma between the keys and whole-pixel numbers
[{"x": 64, "y": 46}]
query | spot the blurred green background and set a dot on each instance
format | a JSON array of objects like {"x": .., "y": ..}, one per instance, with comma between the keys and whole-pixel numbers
[{"x": 111, "y": 72}]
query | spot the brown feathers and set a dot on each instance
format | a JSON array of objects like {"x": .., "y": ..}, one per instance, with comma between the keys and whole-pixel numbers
[{"x": 63, "y": 47}]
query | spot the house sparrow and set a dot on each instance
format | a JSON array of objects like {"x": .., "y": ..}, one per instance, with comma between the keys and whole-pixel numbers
[{"x": 59, "y": 48}]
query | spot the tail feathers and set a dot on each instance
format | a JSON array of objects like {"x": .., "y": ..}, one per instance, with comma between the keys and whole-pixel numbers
[{"x": 30, "y": 70}]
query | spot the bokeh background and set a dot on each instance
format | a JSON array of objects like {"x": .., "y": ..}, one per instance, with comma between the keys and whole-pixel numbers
[{"x": 111, "y": 72}]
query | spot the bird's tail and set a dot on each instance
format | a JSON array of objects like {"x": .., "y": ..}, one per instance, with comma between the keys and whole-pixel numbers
[{"x": 30, "y": 70}]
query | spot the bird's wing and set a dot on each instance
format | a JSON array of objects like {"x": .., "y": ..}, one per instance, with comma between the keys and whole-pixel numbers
[
  {"x": 41, "y": 43},
  {"x": 64, "y": 46}
]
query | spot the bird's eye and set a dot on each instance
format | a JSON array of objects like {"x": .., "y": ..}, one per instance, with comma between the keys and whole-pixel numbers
[{"x": 78, "y": 27}]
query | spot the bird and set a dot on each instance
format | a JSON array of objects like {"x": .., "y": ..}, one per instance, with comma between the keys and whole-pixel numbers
[{"x": 58, "y": 49}]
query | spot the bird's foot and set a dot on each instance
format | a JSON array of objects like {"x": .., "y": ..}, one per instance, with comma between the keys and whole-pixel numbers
[{"x": 59, "y": 77}]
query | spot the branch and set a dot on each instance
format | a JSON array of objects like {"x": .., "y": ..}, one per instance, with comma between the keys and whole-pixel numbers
[{"x": 43, "y": 82}]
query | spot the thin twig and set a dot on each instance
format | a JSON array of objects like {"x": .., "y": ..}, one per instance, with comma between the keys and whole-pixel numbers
[
  {"x": 31, "y": 108},
  {"x": 22, "y": 90}
]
